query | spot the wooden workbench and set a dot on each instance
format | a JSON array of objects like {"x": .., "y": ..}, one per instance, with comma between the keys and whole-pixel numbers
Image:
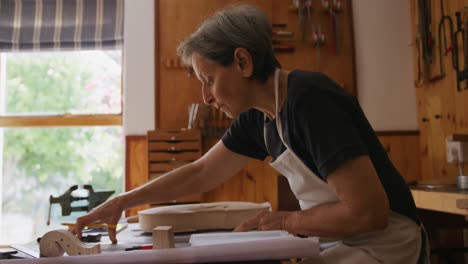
[
  {"x": 446, "y": 199},
  {"x": 267, "y": 251}
]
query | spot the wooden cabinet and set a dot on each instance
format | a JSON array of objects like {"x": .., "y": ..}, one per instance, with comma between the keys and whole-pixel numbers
[{"x": 170, "y": 149}]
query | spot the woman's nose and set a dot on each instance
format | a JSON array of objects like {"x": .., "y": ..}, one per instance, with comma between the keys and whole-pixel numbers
[{"x": 207, "y": 96}]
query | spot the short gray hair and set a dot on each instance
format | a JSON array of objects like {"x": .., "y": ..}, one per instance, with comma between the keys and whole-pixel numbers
[{"x": 237, "y": 26}]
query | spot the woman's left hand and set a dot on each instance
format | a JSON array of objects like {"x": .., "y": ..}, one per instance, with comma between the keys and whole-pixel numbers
[{"x": 265, "y": 221}]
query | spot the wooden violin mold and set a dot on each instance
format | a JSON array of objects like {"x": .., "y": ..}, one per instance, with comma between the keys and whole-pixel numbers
[
  {"x": 203, "y": 216},
  {"x": 56, "y": 242}
]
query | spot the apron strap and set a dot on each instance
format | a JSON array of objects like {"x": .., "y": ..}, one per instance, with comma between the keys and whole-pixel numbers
[{"x": 277, "y": 117}]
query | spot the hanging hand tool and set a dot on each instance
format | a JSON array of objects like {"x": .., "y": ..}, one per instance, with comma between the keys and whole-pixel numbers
[
  {"x": 444, "y": 21},
  {"x": 337, "y": 5},
  {"x": 459, "y": 34},
  {"x": 465, "y": 47},
  {"x": 318, "y": 40},
  {"x": 333, "y": 26},
  {"x": 424, "y": 13},
  {"x": 336, "y": 9},
  {"x": 332, "y": 10},
  {"x": 301, "y": 10},
  {"x": 421, "y": 66},
  {"x": 314, "y": 36},
  {"x": 308, "y": 6},
  {"x": 325, "y": 5}
]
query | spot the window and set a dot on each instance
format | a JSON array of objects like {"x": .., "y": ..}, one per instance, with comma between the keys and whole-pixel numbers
[{"x": 60, "y": 125}]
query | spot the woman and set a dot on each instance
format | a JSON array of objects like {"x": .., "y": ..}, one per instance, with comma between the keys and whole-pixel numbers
[{"x": 351, "y": 195}]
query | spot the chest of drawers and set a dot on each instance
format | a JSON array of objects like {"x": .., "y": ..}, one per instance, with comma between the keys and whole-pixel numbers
[{"x": 170, "y": 149}]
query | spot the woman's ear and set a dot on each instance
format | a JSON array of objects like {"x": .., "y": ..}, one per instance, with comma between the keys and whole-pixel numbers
[{"x": 243, "y": 62}]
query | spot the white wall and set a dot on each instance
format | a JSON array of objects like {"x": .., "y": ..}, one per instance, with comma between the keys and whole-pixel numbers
[
  {"x": 139, "y": 67},
  {"x": 384, "y": 63}
]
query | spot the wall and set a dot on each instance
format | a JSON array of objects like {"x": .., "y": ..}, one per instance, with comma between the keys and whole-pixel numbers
[
  {"x": 139, "y": 67},
  {"x": 384, "y": 89},
  {"x": 257, "y": 182},
  {"x": 384, "y": 66},
  {"x": 138, "y": 88},
  {"x": 441, "y": 107}
]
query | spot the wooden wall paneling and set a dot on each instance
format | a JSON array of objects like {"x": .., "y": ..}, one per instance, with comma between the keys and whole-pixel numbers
[
  {"x": 461, "y": 98},
  {"x": 439, "y": 105},
  {"x": 136, "y": 166},
  {"x": 443, "y": 111},
  {"x": 257, "y": 182},
  {"x": 185, "y": 16},
  {"x": 446, "y": 91},
  {"x": 269, "y": 185},
  {"x": 425, "y": 152},
  {"x": 241, "y": 187},
  {"x": 178, "y": 19},
  {"x": 425, "y": 146},
  {"x": 253, "y": 181},
  {"x": 403, "y": 151}
]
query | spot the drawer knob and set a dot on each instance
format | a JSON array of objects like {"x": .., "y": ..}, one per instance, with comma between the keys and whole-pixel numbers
[
  {"x": 172, "y": 148},
  {"x": 172, "y": 138}
]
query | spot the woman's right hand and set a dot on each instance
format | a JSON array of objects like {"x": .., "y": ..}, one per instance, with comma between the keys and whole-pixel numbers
[{"x": 109, "y": 213}]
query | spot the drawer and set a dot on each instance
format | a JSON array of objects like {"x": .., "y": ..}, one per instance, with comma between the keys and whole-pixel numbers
[
  {"x": 173, "y": 146},
  {"x": 168, "y": 156},
  {"x": 176, "y": 135},
  {"x": 166, "y": 166},
  {"x": 155, "y": 175}
]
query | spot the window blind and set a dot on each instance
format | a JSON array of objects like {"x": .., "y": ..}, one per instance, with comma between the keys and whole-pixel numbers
[{"x": 60, "y": 24}]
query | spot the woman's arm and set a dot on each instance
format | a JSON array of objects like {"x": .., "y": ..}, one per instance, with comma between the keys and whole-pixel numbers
[
  {"x": 362, "y": 207},
  {"x": 212, "y": 169},
  {"x": 215, "y": 167}
]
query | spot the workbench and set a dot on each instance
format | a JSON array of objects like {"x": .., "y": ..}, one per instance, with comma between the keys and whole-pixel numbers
[
  {"x": 447, "y": 199},
  {"x": 245, "y": 252}
]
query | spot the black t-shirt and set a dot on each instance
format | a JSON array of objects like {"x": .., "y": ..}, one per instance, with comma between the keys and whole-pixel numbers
[{"x": 325, "y": 126}]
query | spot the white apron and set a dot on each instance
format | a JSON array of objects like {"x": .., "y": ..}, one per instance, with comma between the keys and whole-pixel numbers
[{"x": 399, "y": 242}]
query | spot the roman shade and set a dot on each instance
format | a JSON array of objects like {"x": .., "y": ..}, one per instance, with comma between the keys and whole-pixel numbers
[{"x": 60, "y": 24}]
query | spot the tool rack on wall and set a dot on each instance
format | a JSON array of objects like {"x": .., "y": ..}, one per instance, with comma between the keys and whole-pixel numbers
[{"x": 440, "y": 66}]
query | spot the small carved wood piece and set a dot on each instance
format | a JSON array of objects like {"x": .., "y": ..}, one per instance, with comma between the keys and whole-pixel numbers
[
  {"x": 462, "y": 203},
  {"x": 163, "y": 237},
  {"x": 56, "y": 242}
]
